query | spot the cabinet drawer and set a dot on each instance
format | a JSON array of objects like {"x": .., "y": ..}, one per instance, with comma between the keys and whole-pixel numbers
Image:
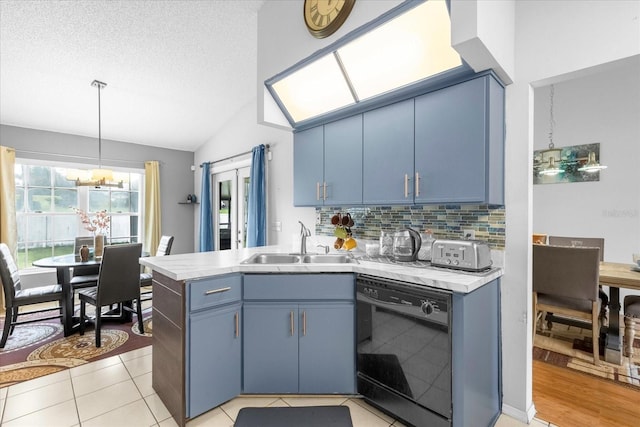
[
  {"x": 299, "y": 287},
  {"x": 215, "y": 291}
]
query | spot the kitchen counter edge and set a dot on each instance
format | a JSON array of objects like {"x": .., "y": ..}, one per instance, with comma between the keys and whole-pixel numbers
[{"x": 193, "y": 266}]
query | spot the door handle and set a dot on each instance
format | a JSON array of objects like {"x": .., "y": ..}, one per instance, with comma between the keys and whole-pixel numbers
[
  {"x": 406, "y": 185},
  {"x": 317, "y": 190},
  {"x": 324, "y": 191},
  {"x": 304, "y": 323},
  {"x": 291, "y": 321},
  {"x": 417, "y": 184},
  {"x": 237, "y": 324}
]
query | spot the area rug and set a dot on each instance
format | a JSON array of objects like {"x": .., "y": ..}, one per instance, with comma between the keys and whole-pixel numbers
[
  {"x": 38, "y": 349},
  {"x": 570, "y": 347},
  {"x": 302, "y": 416}
]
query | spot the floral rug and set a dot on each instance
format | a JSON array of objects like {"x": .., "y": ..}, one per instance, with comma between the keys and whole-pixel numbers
[
  {"x": 38, "y": 349},
  {"x": 570, "y": 347}
]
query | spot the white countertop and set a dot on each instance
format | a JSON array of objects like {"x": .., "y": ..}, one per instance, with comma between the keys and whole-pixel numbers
[{"x": 206, "y": 264}]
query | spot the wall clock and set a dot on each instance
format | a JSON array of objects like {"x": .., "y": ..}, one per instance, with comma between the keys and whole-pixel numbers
[{"x": 324, "y": 17}]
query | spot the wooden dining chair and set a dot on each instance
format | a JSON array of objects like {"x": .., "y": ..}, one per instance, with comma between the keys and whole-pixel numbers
[
  {"x": 118, "y": 283},
  {"x": 16, "y": 297},
  {"x": 631, "y": 318},
  {"x": 164, "y": 248},
  {"x": 565, "y": 282}
]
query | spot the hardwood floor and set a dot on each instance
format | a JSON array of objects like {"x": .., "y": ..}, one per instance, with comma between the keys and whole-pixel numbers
[{"x": 567, "y": 398}]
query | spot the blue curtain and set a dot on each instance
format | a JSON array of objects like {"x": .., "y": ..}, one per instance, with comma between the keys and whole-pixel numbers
[
  {"x": 206, "y": 212},
  {"x": 257, "y": 215}
]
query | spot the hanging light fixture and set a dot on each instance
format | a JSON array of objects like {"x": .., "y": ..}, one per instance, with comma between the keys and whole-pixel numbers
[
  {"x": 551, "y": 159},
  {"x": 98, "y": 177},
  {"x": 592, "y": 165}
]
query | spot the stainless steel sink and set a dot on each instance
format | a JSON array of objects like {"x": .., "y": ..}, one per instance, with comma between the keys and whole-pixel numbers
[
  {"x": 328, "y": 259},
  {"x": 272, "y": 259},
  {"x": 298, "y": 258}
]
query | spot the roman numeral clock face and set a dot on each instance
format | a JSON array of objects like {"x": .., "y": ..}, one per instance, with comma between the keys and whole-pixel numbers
[{"x": 324, "y": 17}]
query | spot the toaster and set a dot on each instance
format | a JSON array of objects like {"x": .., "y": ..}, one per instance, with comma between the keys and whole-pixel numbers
[{"x": 468, "y": 255}]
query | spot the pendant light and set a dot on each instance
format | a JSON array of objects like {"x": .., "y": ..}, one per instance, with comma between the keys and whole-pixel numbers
[
  {"x": 592, "y": 165},
  {"x": 98, "y": 177},
  {"x": 552, "y": 155}
]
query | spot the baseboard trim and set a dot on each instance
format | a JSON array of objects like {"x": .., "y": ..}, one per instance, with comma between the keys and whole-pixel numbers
[{"x": 518, "y": 414}]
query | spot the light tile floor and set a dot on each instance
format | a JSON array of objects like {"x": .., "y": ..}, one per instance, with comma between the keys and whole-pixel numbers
[{"x": 117, "y": 391}]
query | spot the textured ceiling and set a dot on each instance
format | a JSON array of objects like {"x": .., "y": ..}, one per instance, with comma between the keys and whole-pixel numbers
[{"x": 176, "y": 70}]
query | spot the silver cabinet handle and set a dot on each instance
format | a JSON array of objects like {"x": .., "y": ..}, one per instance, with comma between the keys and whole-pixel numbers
[
  {"x": 317, "y": 190},
  {"x": 406, "y": 185},
  {"x": 237, "y": 324},
  {"x": 291, "y": 321},
  {"x": 417, "y": 184},
  {"x": 217, "y": 291},
  {"x": 324, "y": 191},
  {"x": 304, "y": 323}
]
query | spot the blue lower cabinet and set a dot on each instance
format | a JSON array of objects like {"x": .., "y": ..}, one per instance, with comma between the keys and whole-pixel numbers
[
  {"x": 270, "y": 348},
  {"x": 299, "y": 348},
  {"x": 215, "y": 356},
  {"x": 326, "y": 348}
]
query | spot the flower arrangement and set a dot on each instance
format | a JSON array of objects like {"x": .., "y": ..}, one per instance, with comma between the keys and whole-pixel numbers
[{"x": 99, "y": 224}]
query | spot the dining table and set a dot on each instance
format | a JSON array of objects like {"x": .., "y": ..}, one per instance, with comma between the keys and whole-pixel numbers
[
  {"x": 63, "y": 265},
  {"x": 616, "y": 276}
]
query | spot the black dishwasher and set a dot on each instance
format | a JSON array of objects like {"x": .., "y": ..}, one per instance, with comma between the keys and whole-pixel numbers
[{"x": 404, "y": 350}]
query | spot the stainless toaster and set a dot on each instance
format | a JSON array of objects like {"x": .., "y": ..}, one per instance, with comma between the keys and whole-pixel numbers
[{"x": 469, "y": 255}]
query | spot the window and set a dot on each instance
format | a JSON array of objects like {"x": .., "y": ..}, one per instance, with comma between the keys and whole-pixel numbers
[{"x": 47, "y": 223}]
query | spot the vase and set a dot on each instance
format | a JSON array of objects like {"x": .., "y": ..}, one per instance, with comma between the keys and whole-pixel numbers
[
  {"x": 98, "y": 245},
  {"x": 84, "y": 253}
]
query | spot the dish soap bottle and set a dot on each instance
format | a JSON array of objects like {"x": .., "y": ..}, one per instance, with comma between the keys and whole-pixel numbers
[{"x": 424, "y": 254}]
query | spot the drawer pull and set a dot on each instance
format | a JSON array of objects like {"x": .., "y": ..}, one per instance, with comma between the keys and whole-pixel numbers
[
  {"x": 217, "y": 291},
  {"x": 417, "y": 184},
  {"x": 317, "y": 190},
  {"x": 291, "y": 321}
]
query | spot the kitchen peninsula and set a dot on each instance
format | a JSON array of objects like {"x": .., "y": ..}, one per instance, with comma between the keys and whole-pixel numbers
[{"x": 214, "y": 318}]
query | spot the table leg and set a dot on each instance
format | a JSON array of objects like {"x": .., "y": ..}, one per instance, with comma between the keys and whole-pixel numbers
[
  {"x": 64, "y": 277},
  {"x": 613, "y": 347}
]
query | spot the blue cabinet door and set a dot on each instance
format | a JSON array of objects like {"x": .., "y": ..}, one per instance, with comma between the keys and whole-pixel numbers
[
  {"x": 214, "y": 358},
  {"x": 451, "y": 153},
  {"x": 270, "y": 348},
  {"x": 327, "y": 348},
  {"x": 343, "y": 161},
  {"x": 308, "y": 167},
  {"x": 388, "y": 154}
]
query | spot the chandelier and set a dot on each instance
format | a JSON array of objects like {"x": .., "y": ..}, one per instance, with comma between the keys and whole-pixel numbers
[{"x": 97, "y": 177}]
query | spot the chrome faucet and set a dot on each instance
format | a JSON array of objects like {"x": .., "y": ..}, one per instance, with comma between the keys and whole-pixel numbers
[{"x": 304, "y": 233}]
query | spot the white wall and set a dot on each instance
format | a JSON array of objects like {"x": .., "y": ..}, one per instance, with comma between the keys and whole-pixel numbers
[
  {"x": 605, "y": 108},
  {"x": 240, "y": 135}
]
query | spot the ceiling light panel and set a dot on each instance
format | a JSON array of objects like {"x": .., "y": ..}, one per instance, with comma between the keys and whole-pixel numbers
[
  {"x": 409, "y": 48},
  {"x": 315, "y": 89}
]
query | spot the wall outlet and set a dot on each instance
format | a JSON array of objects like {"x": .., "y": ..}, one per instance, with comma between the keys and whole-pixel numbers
[
  {"x": 318, "y": 218},
  {"x": 277, "y": 226},
  {"x": 469, "y": 234}
]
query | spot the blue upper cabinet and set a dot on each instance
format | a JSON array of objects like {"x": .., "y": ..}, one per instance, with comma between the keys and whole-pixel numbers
[
  {"x": 343, "y": 161},
  {"x": 328, "y": 164},
  {"x": 458, "y": 143},
  {"x": 308, "y": 167},
  {"x": 444, "y": 146},
  {"x": 388, "y": 154}
]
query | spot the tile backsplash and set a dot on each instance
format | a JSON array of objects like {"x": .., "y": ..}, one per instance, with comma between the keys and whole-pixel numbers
[{"x": 446, "y": 221}]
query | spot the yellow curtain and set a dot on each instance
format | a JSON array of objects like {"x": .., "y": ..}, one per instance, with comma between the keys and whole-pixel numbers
[
  {"x": 8, "y": 224},
  {"x": 152, "y": 213}
]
